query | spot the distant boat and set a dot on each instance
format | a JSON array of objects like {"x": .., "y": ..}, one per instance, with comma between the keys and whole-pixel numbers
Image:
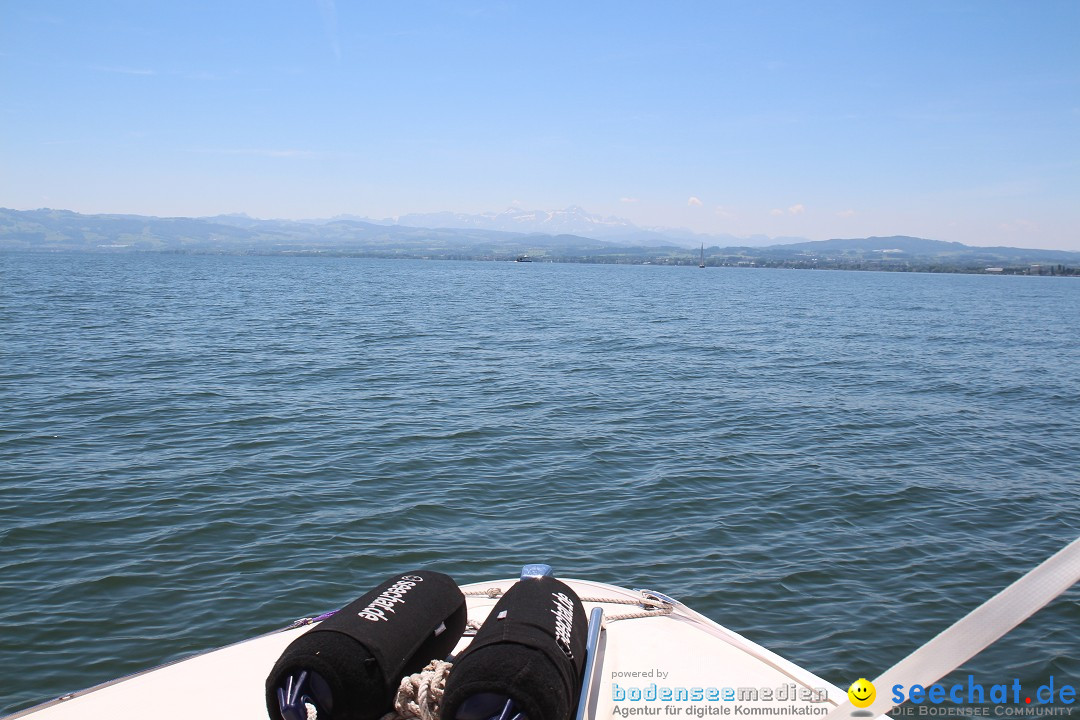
[
  {"x": 702, "y": 263},
  {"x": 523, "y": 258}
]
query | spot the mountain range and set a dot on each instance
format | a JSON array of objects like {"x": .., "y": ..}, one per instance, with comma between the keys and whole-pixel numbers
[
  {"x": 573, "y": 220},
  {"x": 457, "y": 236}
]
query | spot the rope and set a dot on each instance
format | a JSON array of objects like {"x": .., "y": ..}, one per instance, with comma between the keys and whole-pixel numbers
[
  {"x": 653, "y": 607},
  {"x": 419, "y": 695},
  {"x": 658, "y": 606},
  {"x": 651, "y": 612}
]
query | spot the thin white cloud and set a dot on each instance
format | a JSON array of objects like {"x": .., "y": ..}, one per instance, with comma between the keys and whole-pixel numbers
[
  {"x": 123, "y": 70},
  {"x": 200, "y": 75},
  {"x": 846, "y": 213},
  {"x": 328, "y": 10},
  {"x": 258, "y": 152},
  {"x": 693, "y": 202},
  {"x": 628, "y": 200},
  {"x": 776, "y": 211},
  {"x": 1019, "y": 225},
  {"x": 282, "y": 153},
  {"x": 798, "y": 209},
  {"x": 724, "y": 212}
]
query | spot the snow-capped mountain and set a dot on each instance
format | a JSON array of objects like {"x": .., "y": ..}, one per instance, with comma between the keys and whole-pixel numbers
[
  {"x": 571, "y": 221},
  {"x": 575, "y": 220}
]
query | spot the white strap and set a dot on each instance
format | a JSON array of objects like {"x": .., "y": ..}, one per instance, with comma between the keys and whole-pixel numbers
[{"x": 976, "y": 630}]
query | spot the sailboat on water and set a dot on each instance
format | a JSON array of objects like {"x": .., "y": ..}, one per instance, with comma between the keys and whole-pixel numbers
[{"x": 701, "y": 264}]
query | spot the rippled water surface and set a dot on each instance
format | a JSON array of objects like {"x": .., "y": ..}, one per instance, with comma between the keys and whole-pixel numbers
[{"x": 838, "y": 465}]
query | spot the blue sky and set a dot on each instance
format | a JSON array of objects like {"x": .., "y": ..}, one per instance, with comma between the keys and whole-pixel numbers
[{"x": 949, "y": 120}]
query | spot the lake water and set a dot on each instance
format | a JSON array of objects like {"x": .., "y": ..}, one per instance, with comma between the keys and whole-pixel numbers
[{"x": 194, "y": 450}]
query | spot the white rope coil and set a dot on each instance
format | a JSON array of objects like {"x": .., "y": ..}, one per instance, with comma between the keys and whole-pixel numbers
[{"x": 419, "y": 695}]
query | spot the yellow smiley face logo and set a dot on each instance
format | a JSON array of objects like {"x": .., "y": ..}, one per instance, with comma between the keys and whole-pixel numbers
[{"x": 861, "y": 693}]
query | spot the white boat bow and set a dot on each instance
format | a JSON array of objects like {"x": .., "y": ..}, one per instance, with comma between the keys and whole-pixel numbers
[{"x": 671, "y": 663}]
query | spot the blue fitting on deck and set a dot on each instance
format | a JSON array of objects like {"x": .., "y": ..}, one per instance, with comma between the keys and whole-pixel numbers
[{"x": 536, "y": 570}]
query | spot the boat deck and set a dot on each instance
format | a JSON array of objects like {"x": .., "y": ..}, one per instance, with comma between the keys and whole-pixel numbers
[{"x": 677, "y": 665}]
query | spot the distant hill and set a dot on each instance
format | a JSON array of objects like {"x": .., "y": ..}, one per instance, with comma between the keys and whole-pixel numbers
[
  {"x": 901, "y": 243},
  {"x": 902, "y": 247},
  {"x": 61, "y": 230},
  {"x": 573, "y": 220}
]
